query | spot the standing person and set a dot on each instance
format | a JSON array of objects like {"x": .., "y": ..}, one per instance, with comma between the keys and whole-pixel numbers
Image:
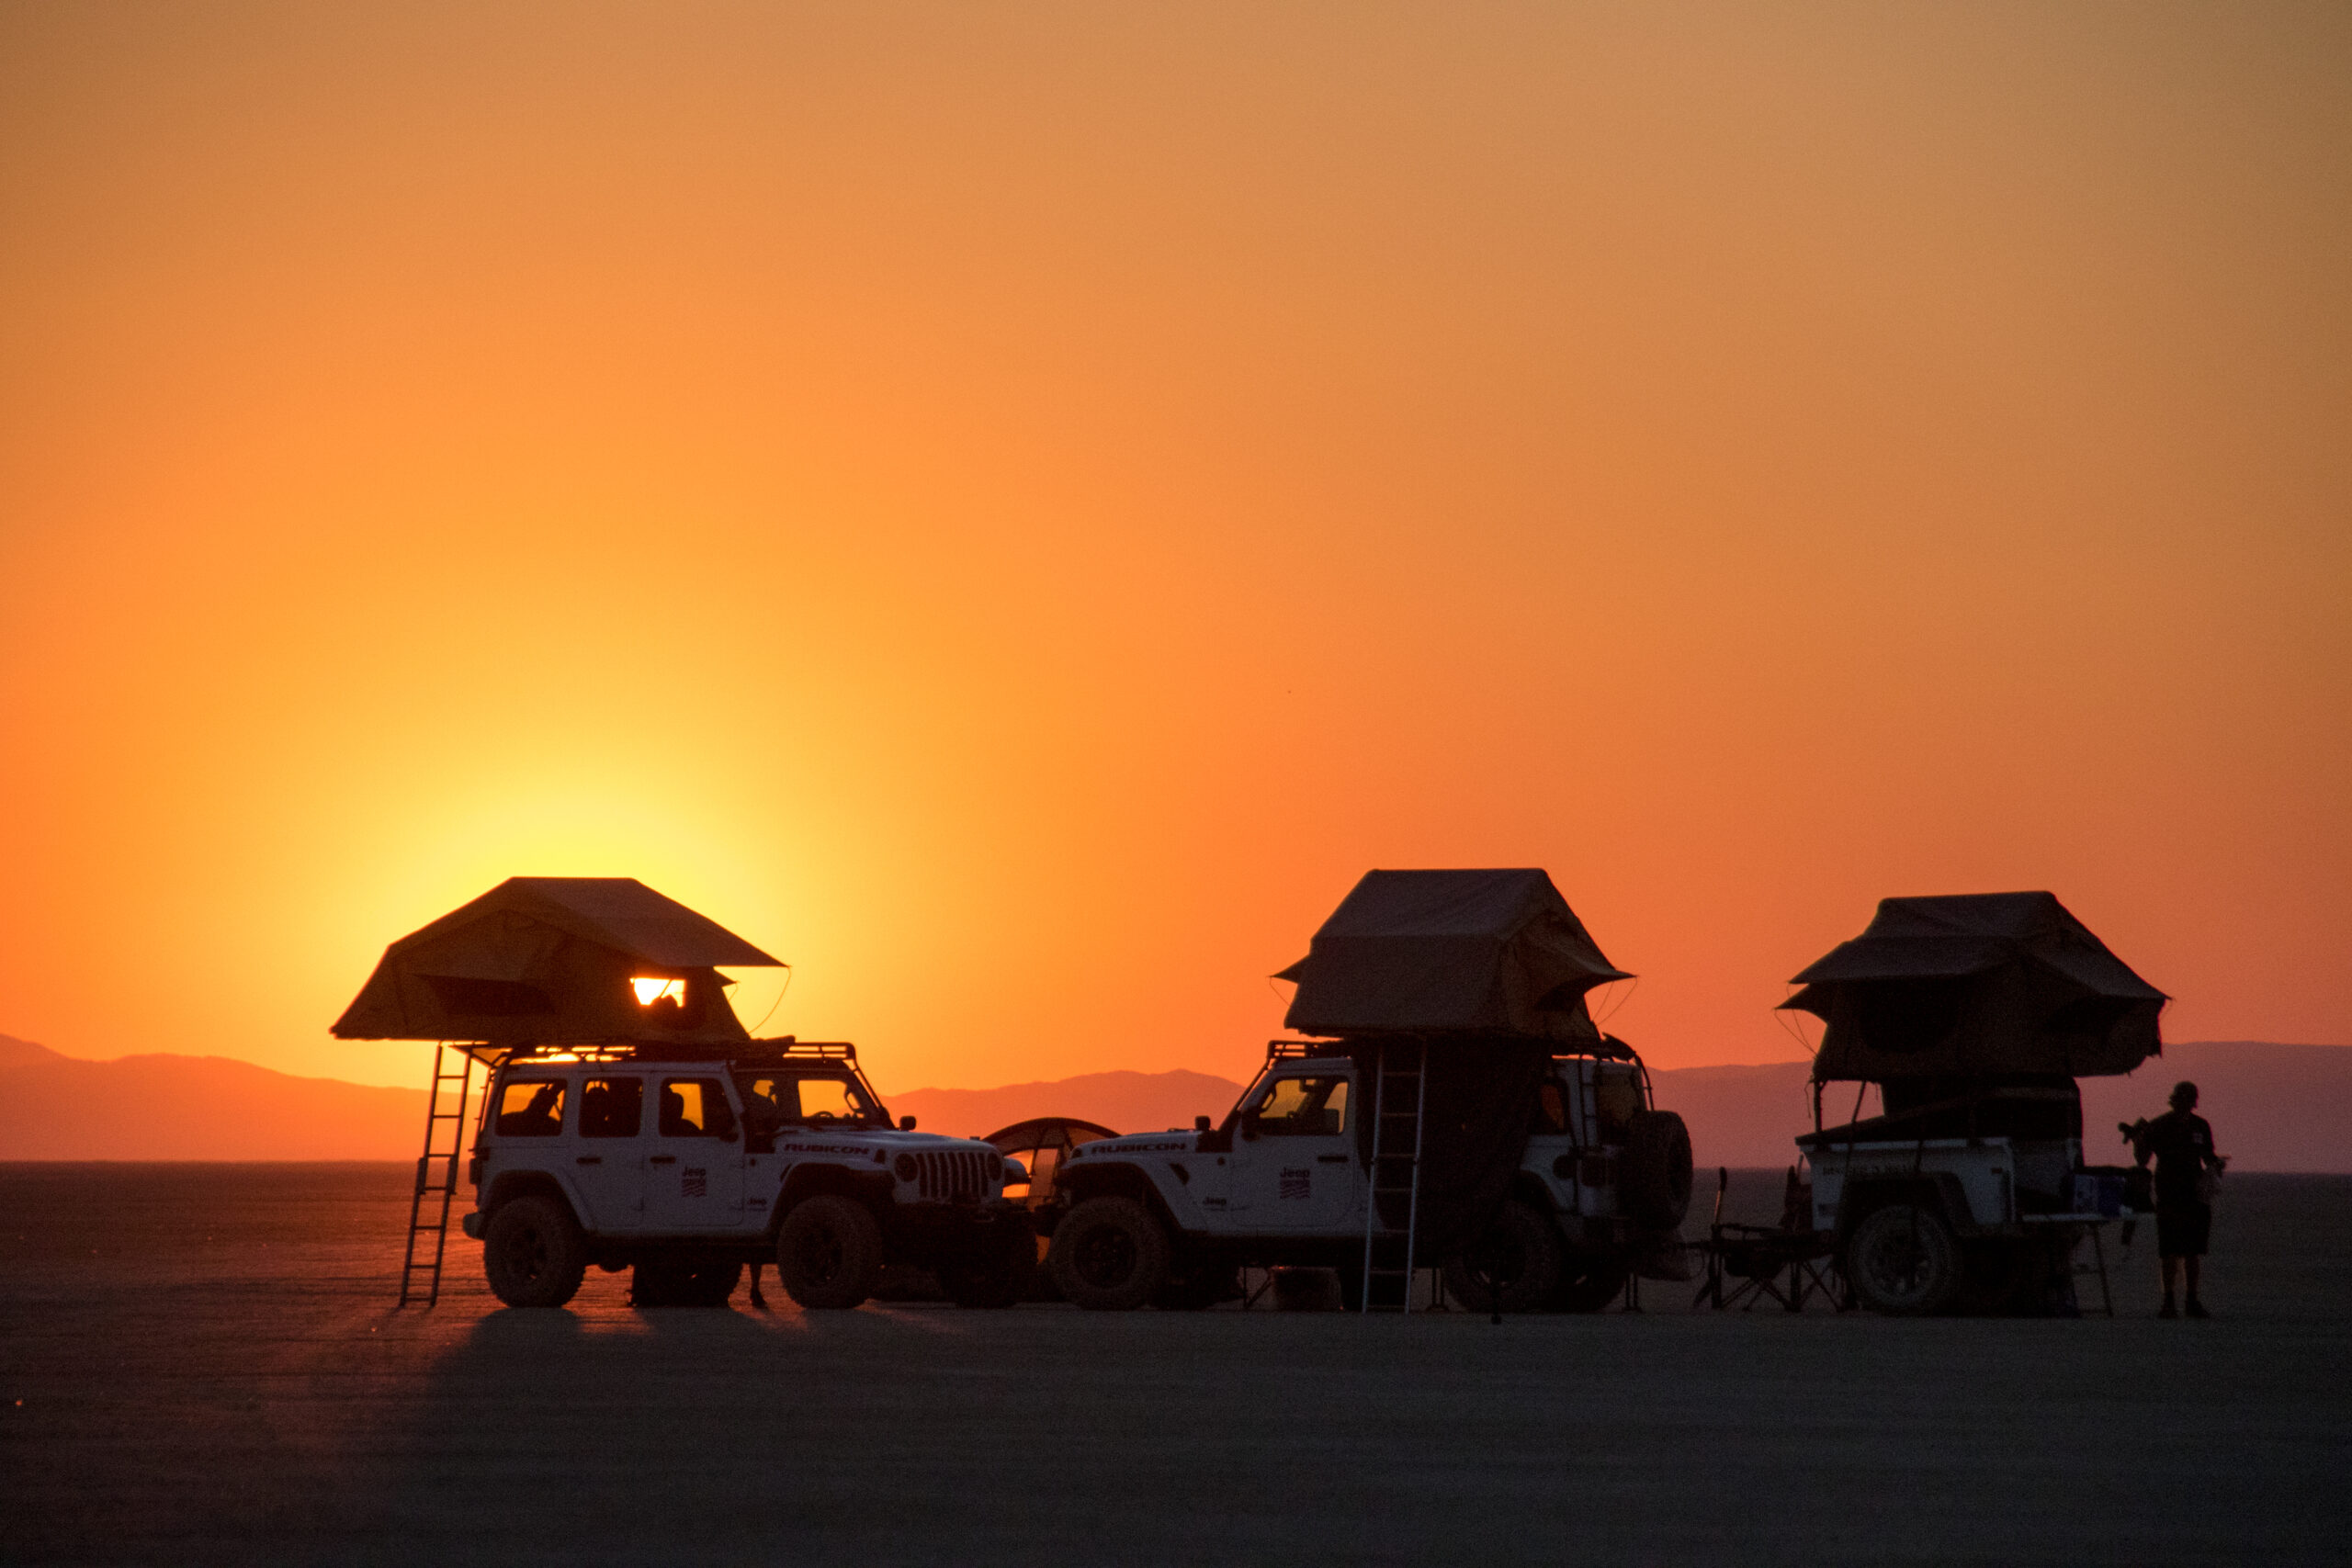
[{"x": 2181, "y": 1142}]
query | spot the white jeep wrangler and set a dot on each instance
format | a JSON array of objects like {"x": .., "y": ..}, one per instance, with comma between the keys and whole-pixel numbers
[
  {"x": 687, "y": 1170},
  {"x": 1167, "y": 1219}
]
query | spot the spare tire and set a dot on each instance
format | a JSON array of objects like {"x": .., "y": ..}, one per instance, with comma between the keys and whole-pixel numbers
[{"x": 1654, "y": 1174}]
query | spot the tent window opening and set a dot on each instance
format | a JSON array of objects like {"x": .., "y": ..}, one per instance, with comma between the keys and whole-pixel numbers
[
  {"x": 612, "y": 1108},
  {"x": 1303, "y": 1107},
  {"x": 652, "y": 990},
  {"x": 695, "y": 1108},
  {"x": 530, "y": 1108}
]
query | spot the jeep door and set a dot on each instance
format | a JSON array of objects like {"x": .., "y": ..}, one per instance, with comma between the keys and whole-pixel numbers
[
  {"x": 608, "y": 1157},
  {"x": 694, "y": 1164},
  {"x": 1293, "y": 1166}
]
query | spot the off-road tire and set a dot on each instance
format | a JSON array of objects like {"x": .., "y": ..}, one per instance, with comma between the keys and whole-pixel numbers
[
  {"x": 681, "y": 1284},
  {"x": 1589, "y": 1286},
  {"x": 1109, "y": 1255},
  {"x": 1513, "y": 1265},
  {"x": 534, "y": 1253},
  {"x": 999, "y": 1274},
  {"x": 1654, "y": 1173},
  {"x": 828, "y": 1253},
  {"x": 1902, "y": 1260}
]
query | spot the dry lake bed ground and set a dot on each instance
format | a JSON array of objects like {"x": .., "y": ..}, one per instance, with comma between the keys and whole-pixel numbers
[{"x": 202, "y": 1364}]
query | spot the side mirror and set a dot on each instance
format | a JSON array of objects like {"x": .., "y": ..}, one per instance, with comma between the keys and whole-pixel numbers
[
  {"x": 906, "y": 1123},
  {"x": 1200, "y": 1123}
]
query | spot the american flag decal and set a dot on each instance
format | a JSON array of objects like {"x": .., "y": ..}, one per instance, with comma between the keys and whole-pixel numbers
[
  {"x": 695, "y": 1183},
  {"x": 1295, "y": 1184}
]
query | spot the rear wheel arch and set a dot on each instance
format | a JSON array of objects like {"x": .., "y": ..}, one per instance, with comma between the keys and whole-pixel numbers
[
  {"x": 527, "y": 1184},
  {"x": 1936, "y": 1192}
]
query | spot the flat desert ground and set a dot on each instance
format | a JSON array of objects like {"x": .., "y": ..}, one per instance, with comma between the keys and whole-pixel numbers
[{"x": 202, "y": 1363}]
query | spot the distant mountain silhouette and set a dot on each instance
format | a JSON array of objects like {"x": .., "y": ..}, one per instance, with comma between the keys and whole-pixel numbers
[
  {"x": 2274, "y": 1108},
  {"x": 166, "y": 1107}
]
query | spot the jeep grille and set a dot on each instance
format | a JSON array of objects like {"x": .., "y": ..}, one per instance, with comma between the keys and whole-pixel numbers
[{"x": 955, "y": 1173}]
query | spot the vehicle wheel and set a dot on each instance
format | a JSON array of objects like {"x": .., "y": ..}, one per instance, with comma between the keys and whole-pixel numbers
[
  {"x": 1588, "y": 1287},
  {"x": 1000, "y": 1276},
  {"x": 1654, "y": 1174},
  {"x": 534, "y": 1253},
  {"x": 1515, "y": 1264},
  {"x": 676, "y": 1285},
  {"x": 1109, "y": 1255},
  {"x": 1904, "y": 1259},
  {"x": 828, "y": 1253}
]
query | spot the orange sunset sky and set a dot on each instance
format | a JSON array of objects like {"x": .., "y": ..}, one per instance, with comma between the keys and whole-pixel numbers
[{"x": 1013, "y": 508}]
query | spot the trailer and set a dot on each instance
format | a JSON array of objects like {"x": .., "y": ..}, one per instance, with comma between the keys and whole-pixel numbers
[{"x": 1972, "y": 1016}]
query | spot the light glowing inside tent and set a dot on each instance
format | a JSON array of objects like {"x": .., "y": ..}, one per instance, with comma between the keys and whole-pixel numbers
[{"x": 651, "y": 988}]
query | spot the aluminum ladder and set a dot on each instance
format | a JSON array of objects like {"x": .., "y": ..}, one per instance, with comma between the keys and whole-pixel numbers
[
  {"x": 414, "y": 1264},
  {"x": 1388, "y": 1249}
]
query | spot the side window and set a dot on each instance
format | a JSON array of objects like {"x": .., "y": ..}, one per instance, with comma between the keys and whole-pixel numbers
[
  {"x": 530, "y": 1108},
  {"x": 1303, "y": 1107},
  {"x": 695, "y": 1108},
  {"x": 1617, "y": 1095},
  {"x": 1551, "y": 1110},
  {"x": 612, "y": 1108}
]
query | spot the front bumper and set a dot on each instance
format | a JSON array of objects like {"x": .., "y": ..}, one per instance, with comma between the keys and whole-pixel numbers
[{"x": 470, "y": 1223}]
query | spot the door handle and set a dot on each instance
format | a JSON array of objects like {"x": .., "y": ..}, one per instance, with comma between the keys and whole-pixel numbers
[
  {"x": 1332, "y": 1159},
  {"x": 592, "y": 1159},
  {"x": 662, "y": 1160}
]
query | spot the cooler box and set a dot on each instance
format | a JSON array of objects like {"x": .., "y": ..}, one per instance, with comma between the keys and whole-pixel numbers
[{"x": 2098, "y": 1192}]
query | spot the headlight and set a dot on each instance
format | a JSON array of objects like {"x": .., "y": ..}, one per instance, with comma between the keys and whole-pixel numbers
[{"x": 906, "y": 1167}]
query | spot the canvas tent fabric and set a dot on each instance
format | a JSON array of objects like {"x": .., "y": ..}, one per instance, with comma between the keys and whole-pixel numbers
[
  {"x": 1974, "y": 986},
  {"x": 1494, "y": 952},
  {"x": 548, "y": 961}
]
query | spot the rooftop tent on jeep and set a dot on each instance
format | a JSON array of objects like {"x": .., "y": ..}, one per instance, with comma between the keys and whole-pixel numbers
[
  {"x": 1459, "y": 952},
  {"x": 558, "y": 960},
  {"x": 1480, "y": 975},
  {"x": 1974, "y": 985}
]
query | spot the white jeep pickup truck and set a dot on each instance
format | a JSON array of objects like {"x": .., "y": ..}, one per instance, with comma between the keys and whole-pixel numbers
[
  {"x": 1167, "y": 1219},
  {"x": 687, "y": 1170}
]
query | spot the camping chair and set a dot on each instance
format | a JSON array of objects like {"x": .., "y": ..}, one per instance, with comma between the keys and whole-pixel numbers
[{"x": 1790, "y": 1262}]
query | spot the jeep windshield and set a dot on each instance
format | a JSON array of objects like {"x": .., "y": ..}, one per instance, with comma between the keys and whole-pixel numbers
[{"x": 815, "y": 1099}]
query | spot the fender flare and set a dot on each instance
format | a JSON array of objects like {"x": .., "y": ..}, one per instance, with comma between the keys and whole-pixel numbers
[
  {"x": 510, "y": 1185},
  {"x": 1937, "y": 1189},
  {"x": 1117, "y": 1178}
]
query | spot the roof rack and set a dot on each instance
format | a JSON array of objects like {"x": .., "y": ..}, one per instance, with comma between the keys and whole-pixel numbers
[
  {"x": 1296, "y": 1050},
  {"x": 783, "y": 1047}
]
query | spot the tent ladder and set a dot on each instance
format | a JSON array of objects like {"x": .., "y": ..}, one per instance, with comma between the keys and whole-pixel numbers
[
  {"x": 1396, "y": 1175},
  {"x": 444, "y": 1137}
]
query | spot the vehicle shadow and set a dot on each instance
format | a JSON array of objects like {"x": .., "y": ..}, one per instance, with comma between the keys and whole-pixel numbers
[{"x": 670, "y": 1434}]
